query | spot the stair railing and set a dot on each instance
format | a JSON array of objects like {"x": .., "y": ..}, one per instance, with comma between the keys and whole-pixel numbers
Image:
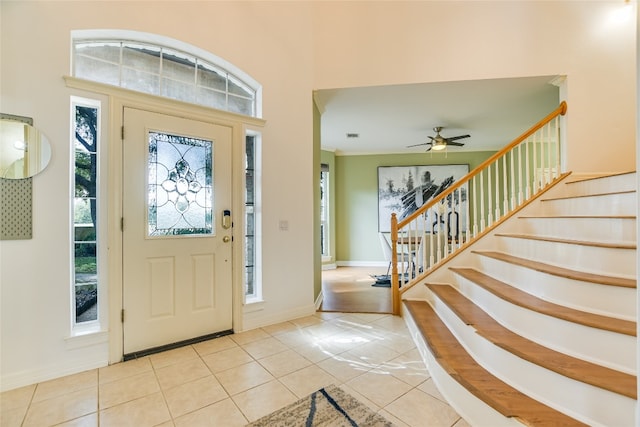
[{"x": 473, "y": 205}]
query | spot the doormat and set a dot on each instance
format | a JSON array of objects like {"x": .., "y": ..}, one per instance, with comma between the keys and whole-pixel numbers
[{"x": 327, "y": 407}]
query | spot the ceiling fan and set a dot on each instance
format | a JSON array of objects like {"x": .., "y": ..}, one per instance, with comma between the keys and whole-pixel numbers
[{"x": 439, "y": 142}]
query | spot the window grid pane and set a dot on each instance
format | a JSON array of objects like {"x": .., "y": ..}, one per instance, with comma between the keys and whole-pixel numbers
[
  {"x": 85, "y": 208},
  {"x": 250, "y": 221},
  {"x": 163, "y": 72}
]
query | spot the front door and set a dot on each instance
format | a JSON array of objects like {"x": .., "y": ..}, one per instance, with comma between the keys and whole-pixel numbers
[{"x": 177, "y": 278}]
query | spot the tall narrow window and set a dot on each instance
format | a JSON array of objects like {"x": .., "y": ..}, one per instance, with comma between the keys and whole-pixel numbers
[
  {"x": 324, "y": 210},
  {"x": 250, "y": 218},
  {"x": 85, "y": 210}
]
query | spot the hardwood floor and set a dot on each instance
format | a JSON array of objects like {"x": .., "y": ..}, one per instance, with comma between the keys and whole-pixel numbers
[{"x": 349, "y": 290}]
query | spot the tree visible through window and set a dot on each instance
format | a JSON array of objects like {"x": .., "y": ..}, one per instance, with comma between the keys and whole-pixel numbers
[{"x": 85, "y": 213}]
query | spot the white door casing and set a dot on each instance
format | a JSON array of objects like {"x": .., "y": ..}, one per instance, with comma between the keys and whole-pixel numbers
[{"x": 175, "y": 286}]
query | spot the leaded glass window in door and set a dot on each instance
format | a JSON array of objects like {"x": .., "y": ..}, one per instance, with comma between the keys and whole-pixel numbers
[{"x": 180, "y": 187}]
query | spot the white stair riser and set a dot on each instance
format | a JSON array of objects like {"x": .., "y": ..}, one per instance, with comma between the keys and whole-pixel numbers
[
  {"x": 613, "y": 301},
  {"x": 610, "y": 349},
  {"x": 582, "y": 401},
  {"x": 590, "y": 259},
  {"x": 597, "y": 229},
  {"x": 625, "y": 182},
  {"x": 609, "y": 204}
]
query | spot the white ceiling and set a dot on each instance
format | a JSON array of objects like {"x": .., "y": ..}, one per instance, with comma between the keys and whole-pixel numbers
[{"x": 389, "y": 118}]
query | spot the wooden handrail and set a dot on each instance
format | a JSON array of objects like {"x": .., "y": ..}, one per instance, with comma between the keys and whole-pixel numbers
[{"x": 560, "y": 111}]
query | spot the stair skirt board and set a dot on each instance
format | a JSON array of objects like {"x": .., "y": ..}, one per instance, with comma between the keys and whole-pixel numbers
[
  {"x": 472, "y": 409},
  {"x": 581, "y": 401},
  {"x": 605, "y": 348},
  {"x": 614, "y": 301}
]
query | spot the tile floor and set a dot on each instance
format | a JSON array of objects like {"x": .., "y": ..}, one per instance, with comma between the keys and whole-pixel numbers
[{"x": 236, "y": 379}]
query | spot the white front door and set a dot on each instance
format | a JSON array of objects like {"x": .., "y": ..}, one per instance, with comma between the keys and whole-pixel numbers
[{"x": 177, "y": 277}]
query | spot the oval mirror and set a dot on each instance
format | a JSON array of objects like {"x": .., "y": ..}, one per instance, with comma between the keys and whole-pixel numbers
[{"x": 24, "y": 150}]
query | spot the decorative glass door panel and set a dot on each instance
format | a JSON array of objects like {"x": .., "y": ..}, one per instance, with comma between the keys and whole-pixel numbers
[{"x": 180, "y": 185}]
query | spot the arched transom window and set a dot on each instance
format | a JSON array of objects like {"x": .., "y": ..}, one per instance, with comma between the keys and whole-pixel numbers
[{"x": 163, "y": 71}]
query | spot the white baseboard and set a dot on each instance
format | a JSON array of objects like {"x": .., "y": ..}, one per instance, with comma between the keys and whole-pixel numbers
[
  {"x": 33, "y": 376},
  {"x": 362, "y": 263},
  {"x": 331, "y": 266},
  {"x": 255, "y": 320},
  {"x": 319, "y": 300}
]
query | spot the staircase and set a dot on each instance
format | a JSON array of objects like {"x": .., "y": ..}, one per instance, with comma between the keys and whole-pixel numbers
[{"x": 535, "y": 322}]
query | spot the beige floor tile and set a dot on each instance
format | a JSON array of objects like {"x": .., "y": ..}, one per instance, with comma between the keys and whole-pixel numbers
[
  {"x": 418, "y": 409},
  {"x": 90, "y": 420},
  {"x": 296, "y": 338},
  {"x": 307, "y": 380},
  {"x": 407, "y": 367},
  {"x": 127, "y": 389},
  {"x": 284, "y": 363},
  {"x": 390, "y": 417},
  {"x": 64, "y": 385},
  {"x": 381, "y": 389},
  {"x": 121, "y": 370},
  {"x": 149, "y": 411},
  {"x": 17, "y": 398},
  {"x": 194, "y": 395},
  {"x": 224, "y": 413},
  {"x": 226, "y": 359},
  {"x": 279, "y": 328},
  {"x": 244, "y": 377},
  {"x": 392, "y": 323},
  {"x": 265, "y": 347},
  {"x": 249, "y": 336},
  {"x": 264, "y": 399},
  {"x": 328, "y": 315},
  {"x": 430, "y": 387},
  {"x": 170, "y": 357},
  {"x": 212, "y": 346},
  {"x": 316, "y": 352},
  {"x": 359, "y": 397},
  {"x": 12, "y": 417},
  {"x": 62, "y": 408},
  {"x": 344, "y": 367},
  {"x": 372, "y": 354},
  {"x": 303, "y": 322},
  {"x": 182, "y": 372}
]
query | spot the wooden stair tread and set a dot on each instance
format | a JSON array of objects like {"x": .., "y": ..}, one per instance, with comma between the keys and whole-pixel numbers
[
  {"x": 614, "y": 245},
  {"x": 450, "y": 354},
  {"x": 528, "y": 301},
  {"x": 490, "y": 329},
  {"x": 576, "y": 179},
  {"x": 560, "y": 271}
]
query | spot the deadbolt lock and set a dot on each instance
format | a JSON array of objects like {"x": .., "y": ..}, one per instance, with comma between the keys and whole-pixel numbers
[{"x": 226, "y": 239}]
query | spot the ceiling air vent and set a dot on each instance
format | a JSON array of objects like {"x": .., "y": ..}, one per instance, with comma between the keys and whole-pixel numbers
[{"x": 353, "y": 135}]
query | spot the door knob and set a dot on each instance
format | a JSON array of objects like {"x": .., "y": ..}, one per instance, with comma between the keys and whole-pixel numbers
[{"x": 226, "y": 239}]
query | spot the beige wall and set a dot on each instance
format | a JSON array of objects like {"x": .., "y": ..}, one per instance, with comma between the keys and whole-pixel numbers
[
  {"x": 291, "y": 48},
  {"x": 380, "y": 43}
]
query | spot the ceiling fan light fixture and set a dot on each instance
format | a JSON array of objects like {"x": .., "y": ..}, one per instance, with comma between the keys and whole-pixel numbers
[{"x": 438, "y": 146}]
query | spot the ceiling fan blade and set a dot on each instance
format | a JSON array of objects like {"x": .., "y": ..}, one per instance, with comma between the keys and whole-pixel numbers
[
  {"x": 459, "y": 144},
  {"x": 428, "y": 149},
  {"x": 416, "y": 145},
  {"x": 454, "y": 138}
]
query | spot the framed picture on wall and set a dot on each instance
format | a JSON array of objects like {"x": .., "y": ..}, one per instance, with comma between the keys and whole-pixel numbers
[{"x": 404, "y": 189}]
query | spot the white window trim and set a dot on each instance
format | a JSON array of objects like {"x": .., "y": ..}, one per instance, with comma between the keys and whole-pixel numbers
[{"x": 100, "y": 324}]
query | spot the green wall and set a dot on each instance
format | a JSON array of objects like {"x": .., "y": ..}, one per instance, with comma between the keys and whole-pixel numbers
[{"x": 356, "y": 198}]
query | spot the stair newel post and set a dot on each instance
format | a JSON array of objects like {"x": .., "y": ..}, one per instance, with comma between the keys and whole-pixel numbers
[{"x": 395, "y": 282}]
